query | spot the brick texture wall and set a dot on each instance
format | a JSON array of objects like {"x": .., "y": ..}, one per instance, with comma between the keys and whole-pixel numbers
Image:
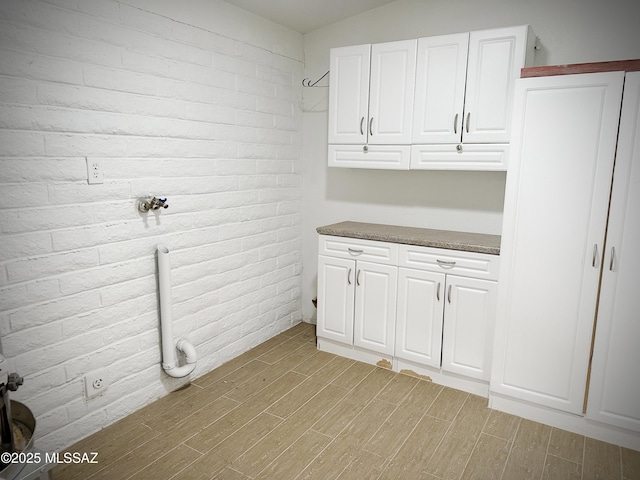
[{"x": 208, "y": 121}]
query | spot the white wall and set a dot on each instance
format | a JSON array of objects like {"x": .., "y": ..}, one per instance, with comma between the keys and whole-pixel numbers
[
  {"x": 211, "y": 120},
  {"x": 570, "y": 31}
]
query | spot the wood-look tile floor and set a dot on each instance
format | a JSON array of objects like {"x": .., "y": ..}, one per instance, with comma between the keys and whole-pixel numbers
[{"x": 285, "y": 411}]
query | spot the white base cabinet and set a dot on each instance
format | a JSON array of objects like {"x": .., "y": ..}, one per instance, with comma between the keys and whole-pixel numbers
[
  {"x": 467, "y": 335},
  {"x": 445, "y": 321},
  {"x": 337, "y": 291},
  {"x": 419, "y": 321},
  {"x": 423, "y": 309},
  {"x": 375, "y": 308}
]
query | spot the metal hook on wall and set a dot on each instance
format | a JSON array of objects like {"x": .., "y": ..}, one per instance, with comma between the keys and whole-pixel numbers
[{"x": 307, "y": 83}]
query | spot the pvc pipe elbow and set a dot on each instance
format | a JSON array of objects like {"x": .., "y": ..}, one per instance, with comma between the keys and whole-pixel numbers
[{"x": 189, "y": 350}]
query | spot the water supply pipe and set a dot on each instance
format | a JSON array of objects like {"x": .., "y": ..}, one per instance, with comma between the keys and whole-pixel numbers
[{"x": 166, "y": 324}]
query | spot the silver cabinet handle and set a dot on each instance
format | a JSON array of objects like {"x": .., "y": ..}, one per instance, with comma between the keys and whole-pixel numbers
[
  {"x": 361, "y": 124},
  {"x": 355, "y": 251},
  {"x": 371, "y": 127},
  {"x": 358, "y": 278},
  {"x": 613, "y": 256},
  {"x": 455, "y": 124},
  {"x": 349, "y": 277},
  {"x": 595, "y": 255},
  {"x": 467, "y": 125},
  {"x": 438, "y": 292},
  {"x": 444, "y": 263},
  {"x": 449, "y": 294}
]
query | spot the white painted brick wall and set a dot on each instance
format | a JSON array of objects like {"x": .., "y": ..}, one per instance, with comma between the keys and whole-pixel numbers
[{"x": 210, "y": 122}]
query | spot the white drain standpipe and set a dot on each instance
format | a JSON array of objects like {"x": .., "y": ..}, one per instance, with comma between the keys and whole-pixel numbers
[{"x": 166, "y": 324}]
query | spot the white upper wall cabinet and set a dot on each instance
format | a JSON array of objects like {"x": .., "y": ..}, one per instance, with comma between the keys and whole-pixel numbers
[
  {"x": 441, "y": 102},
  {"x": 441, "y": 74},
  {"x": 371, "y": 93},
  {"x": 393, "y": 70},
  {"x": 464, "y": 85},
  {"x": 495, "y": 60},
  {"x": 349, "y": 94}
]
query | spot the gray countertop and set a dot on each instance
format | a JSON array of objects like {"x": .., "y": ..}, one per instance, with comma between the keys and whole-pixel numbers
[{"x": 426, "y": 237}]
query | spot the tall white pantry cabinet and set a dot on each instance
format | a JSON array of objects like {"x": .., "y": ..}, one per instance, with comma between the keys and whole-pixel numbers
[{"x": 570, "y": 260}]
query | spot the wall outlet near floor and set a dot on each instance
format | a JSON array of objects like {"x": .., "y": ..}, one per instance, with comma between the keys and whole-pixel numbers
[
  {"x": 94, "y": 171},
  {"x": 95, "y": 383}
]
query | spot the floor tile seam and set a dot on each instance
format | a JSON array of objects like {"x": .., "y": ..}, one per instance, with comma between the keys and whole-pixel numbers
[
  {"x": 263, "y": 412},
  {"x": 257, "y": 357},
  {"x": 177, "y": 475},
  {"x": 333, "y": 440},
  {"x": 398, "y": 405},
  {"x": 331, "y": 360},
  {"x": 444, "y": 435},
  {"x": 621, "y": 462},
  {"x": 257, "y": 393},
  {"x": 289, "y": 351},
  {"x": 402, "y": 399},
  {"x": 379, "y": 477},
  {"x": 128, "y": 474},
  {"x": 246, "y": 421},
  {"x": 230, "y": 468},
  {"x": 291, "y": 444},
  {"x": 440, "y": 418},
  {"x": 189, "y": 437},
  {"x": 584, "y": 457},
  {"x": 364, "y": 442},
  {"x": 210, "y": 385},
  {"x": 208, "y": 405},
  {"x": 305, "y": 403},
  {"x": 562, "y": 458},
  {"x": 239, "y": 454},
  {"x": 496, "y": 436},
  {"x": 146, "y": 441},
  {"x": 475, "y": 444},
  {"x": 158, "y": 459},
  {"x": 546, "y": 453},
  {"x": 78, "y": 445},
  {"x": 353, "y": 387},
  {"x": 351, "y": 390},
  {"x": 407, "y": 439},
  {"x": 512, "y": 443}
]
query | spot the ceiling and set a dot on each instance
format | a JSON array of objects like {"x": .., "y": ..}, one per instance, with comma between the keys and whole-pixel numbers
[{"x": 307, "y": 15}]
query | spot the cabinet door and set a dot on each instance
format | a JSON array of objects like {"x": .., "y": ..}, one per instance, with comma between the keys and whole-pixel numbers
[
  {"x": 336, "y": 289},
  {"x": 614, "y": 394},
  {"x": 556, "y": 201},
  {"x": 419, "y": 316},
  {"x": 375, "y": 312},
  {"x": 393, "y": 67},
  {"x": 440, "y": 80},
  {"x": 469, "y": 317},
  {"x": 349, "y": 94},
  {"x": 495, "y": 59}
]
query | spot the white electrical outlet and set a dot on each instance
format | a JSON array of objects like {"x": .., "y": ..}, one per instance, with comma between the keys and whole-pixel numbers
[
  {"x": 94, "y": 171},
  {"x": 95, "y": 383}
]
